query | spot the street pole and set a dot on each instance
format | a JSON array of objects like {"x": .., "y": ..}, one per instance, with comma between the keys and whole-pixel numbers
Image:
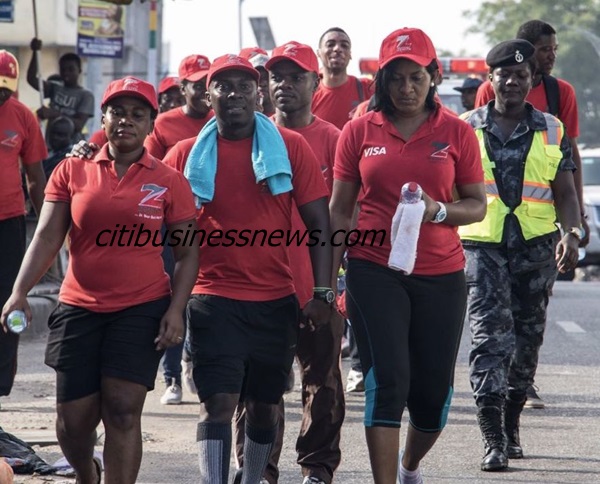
[
  {"x": 240, "y": 40},
  {"x": 590, "y": 37},
  {"x": 38, "y": 60},
  {"x": 152, "y": 52}
]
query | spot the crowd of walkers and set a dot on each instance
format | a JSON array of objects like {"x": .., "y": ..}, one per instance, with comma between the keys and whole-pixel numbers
[{"x": 282, "y": 141}]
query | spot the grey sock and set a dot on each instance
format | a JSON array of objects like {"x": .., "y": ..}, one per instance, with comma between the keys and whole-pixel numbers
[
  {"x": 257, "y": 449},
  {"x": 214, "y": 447}
]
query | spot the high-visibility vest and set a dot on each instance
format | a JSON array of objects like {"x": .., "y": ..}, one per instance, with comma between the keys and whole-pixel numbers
[{"x": 536, "y": 213}]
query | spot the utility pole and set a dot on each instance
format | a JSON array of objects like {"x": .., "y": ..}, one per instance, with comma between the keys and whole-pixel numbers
[
  {"x": 240, "y": 40},
  {"x": 152, "y": 53}
]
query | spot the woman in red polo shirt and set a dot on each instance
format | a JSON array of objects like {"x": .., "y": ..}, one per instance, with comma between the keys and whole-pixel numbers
[
  {"x": 407, "y": 327},
  {"x": 117, "y": 312}
]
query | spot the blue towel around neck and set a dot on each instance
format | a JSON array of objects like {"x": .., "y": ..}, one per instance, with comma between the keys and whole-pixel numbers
[{"x": 270, "y": 160}]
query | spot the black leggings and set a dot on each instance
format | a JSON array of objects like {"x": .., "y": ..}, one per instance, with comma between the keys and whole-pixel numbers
[{"x": 408, "y": 330}]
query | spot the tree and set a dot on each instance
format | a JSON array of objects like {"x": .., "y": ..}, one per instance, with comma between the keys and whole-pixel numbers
[{"x": 578, "y": 60}]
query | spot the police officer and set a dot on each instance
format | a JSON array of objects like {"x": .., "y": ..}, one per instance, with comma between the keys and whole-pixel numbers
[
  {"x": 468, "y": 91},
  {"x": 512, "y": 255}
]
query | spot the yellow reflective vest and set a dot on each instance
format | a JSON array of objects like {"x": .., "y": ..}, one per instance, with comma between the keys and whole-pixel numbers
[{"x": 535, "y": 213}]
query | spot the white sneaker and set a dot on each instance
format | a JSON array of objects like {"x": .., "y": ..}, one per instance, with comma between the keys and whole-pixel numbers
[
  {"x": 403, "y": 478},
  {"x": 355, "y": 382},
  {"x": 172, "y": 395},
  {"x": 187, "y": 376}
]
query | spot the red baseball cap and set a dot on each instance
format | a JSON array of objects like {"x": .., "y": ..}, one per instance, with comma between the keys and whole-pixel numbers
[
  {"x": 194, "y": 68},
  {"x": 300, "y": 54},
  {"x": 229, "y": 62},
  {"x": 9, "y": 71},
  {"x": 258, "y": 57},
  {"x": 167, "y": 83},
  {"x": 131, "y": 86},
  {"x": 407, "y": 43}
]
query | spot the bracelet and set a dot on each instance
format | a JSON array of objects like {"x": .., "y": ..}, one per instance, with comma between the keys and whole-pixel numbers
[{"x": 321, "y": 289}]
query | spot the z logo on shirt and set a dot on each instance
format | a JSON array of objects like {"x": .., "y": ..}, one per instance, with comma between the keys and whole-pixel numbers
[
  {"x": 151, "y": 206},
  {"x": 11, "y": 140},
  {"x": 441, "y": 150},
  {"x": 153, "y": 198}
]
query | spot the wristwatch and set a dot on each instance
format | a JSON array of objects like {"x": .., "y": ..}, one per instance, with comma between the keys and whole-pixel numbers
[
  {"x": 324, "y": 294},
  {"x": 441, "y": 215},
  {"x": 575, "y": 232}
]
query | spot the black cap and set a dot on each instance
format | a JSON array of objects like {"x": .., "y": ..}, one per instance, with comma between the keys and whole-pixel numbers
[
  {"x": 469, "y": 83},
  {"x": 510, "y": 53}
]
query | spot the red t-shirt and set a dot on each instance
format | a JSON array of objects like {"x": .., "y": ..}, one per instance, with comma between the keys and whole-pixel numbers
[
  {"x": 444, "y": 151},
  {"x": 98, "y": 137},
  {"x": 20, "y": 137},
  {"x": 252, "y": 272},
  {"x": 105, "y": 278},
  {"x": 567, "y": 109},
  {"x": 177, "y": 156},
  {"x": 171, "y": 127},
  {"x": 322, "y": 138},
  {"x": 337, "y": 104}
]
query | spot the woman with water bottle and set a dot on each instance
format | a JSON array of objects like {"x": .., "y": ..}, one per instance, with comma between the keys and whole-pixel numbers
[{"x": 407, "y": 325}]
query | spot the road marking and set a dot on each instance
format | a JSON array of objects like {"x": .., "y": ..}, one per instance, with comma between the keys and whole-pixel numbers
[{"x": 570, "y": 326}]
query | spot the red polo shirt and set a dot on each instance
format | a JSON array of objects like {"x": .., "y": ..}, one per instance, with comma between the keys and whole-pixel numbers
[
  {"x": 444, "y": 151},
  {"x": 20, "y": 137},
  {"x": 109, "y": 270}
]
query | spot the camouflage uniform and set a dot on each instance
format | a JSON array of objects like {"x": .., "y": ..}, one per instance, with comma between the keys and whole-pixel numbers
[{"x": 508, "y": 283}]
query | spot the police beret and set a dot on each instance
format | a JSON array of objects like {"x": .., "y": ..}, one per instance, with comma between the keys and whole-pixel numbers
[{"x": 510, "y": 53}]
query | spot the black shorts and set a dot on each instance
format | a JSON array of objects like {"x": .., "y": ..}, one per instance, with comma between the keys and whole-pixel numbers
[
  {"x": 84, "y": 346},
  {"x": 242, "y": 347}
]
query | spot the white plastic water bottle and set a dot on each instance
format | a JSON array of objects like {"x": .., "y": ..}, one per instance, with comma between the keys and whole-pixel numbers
[
  {"x": 411, "y": 193},
  {"x": 17, "y": 321}
]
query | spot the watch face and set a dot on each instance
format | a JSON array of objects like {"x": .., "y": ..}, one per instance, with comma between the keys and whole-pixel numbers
[
  {"x": 441, "y": 215},
  {"x": 327, "y": 296}
]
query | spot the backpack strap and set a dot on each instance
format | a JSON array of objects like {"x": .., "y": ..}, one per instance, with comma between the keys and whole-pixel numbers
[
  {"x": 359, "y": 88},
  {"x": 552, "y": 94}
]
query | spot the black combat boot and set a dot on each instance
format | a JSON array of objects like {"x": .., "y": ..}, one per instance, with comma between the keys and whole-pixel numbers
[
  {"x": 512, "y": 414},
  {"x": 494, "y": 441}
]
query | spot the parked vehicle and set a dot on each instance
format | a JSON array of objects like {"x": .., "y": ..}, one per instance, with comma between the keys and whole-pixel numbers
[{"x": 590, "y": 163}]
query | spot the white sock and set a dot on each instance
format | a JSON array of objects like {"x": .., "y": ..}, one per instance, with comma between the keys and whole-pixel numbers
[
  {"x": 214, "y": 449},
  {"x": 408, "y": 477}
]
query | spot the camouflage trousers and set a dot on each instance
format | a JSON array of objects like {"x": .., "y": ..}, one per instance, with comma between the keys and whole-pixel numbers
[{"x": 507, "y": 317}]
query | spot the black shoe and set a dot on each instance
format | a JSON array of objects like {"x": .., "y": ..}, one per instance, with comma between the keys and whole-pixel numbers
[
  {"x": 512, "y": 417},
  {"x": 494, "y": 440},
  {"x": 514, "y": 451},
  {"x": 533, "y": 399},
  {"x": 494, "y": 460}
]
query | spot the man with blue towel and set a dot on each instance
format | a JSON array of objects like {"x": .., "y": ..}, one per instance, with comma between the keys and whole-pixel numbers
[{"x": 246, "y": 174}]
